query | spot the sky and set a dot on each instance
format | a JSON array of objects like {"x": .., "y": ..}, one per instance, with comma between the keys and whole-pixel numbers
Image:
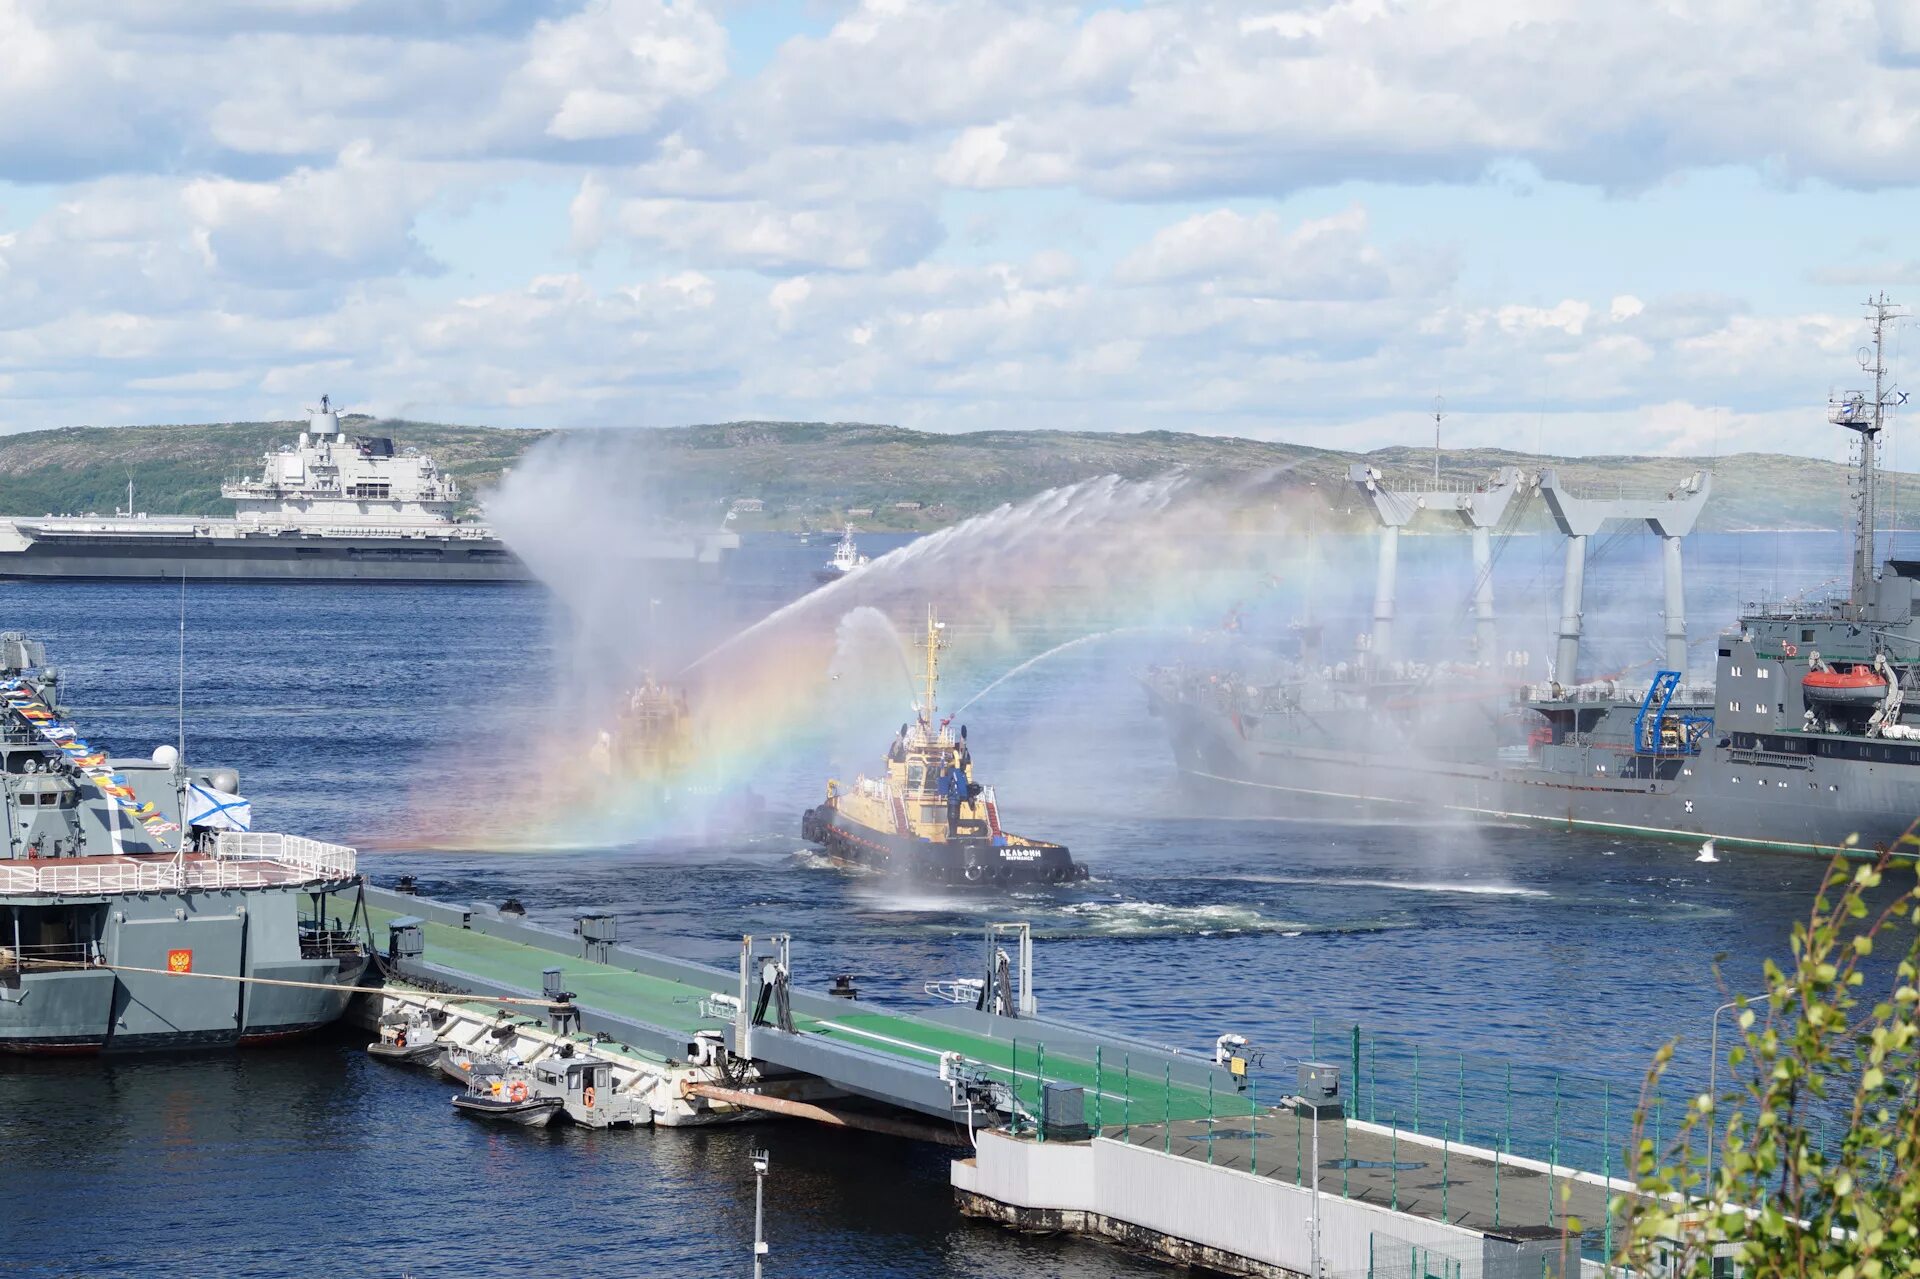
[{"x": 1588, "y": 228}]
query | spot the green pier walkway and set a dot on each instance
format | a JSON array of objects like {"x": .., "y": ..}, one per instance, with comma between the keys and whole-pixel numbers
[{"x": 661, "y": 1004}]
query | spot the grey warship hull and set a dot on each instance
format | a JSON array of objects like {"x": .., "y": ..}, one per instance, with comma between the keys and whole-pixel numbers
[
  {"x": 1765, "y": 793},
  {"x": 267, "y": 557},
  {"x": 171, "y": 968}
]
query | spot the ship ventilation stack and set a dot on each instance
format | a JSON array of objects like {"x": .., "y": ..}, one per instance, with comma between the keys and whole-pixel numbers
[
  {"x": 1672, "y": 517},
  {"x": 1393, "y": 510}
]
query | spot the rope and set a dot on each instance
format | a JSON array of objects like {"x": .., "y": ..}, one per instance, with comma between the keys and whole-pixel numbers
[{"x": 280, "y": 981}]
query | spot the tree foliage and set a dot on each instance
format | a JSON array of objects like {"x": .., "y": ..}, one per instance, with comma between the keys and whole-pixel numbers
[{"x": 1816, "y": 1131}]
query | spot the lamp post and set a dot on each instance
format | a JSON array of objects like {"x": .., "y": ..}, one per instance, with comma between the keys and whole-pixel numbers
[
  {"x": 1713, "y": 1083},
  {"x": 759, "y": 1158}
]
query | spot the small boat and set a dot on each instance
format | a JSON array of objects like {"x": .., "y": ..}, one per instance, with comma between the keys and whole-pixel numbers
[
  {"x": 846, "y": 558},
  {"x": 463, "y": 1065},
  {"x": 507, "y": 1098},
  {"x": 406, "y": 1039},
  {"x": 1857, "y": 686},
  {"x": 585, "y": 1089}
]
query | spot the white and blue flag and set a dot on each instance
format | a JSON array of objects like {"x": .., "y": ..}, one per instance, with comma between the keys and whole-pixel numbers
[{"x": 212, "y": 809}]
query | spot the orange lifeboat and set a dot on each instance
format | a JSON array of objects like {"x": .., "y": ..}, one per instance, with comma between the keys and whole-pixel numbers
[{"x": 1856, "y": 686}]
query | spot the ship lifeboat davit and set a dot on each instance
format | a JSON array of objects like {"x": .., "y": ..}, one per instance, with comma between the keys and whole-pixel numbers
[{"x": 1856, "y": 687}]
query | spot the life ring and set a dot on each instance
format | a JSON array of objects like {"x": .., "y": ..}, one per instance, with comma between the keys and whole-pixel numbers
[
  {"x": 586, "y": 1098},
  {"x": 1791, "y": 650},
  {"x": 518, "y": 1092}
]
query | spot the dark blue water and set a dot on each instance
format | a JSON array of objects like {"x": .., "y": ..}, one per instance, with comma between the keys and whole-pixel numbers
[{"x": 1558, "y": 953}]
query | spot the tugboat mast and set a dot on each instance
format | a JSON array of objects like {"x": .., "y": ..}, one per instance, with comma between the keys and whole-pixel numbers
[
  {"x": 928, "y": 706},
  {"x": 1857, "y": 412}
]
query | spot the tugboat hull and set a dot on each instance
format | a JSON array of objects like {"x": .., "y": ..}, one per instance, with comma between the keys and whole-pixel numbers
[{"x": 966, "y": 861}]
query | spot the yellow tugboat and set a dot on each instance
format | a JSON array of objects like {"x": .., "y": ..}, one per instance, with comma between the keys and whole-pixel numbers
[{"x": 925, "y": 816}]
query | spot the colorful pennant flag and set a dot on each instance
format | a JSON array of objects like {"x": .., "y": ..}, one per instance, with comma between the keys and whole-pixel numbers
[{"x": 19, "y": 697}]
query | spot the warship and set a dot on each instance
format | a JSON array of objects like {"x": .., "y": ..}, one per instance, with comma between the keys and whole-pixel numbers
[
  {"x": 845, "y": 559},
  {"x": 138, "y": 911},
  {"x": 329, "y": 507},
  {"x": 1804, "y": 742},
  {"x": 925, "y": 817}
]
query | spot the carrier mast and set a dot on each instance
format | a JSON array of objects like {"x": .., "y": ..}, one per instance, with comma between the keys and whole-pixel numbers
[{"x": 1855, "y": 411}]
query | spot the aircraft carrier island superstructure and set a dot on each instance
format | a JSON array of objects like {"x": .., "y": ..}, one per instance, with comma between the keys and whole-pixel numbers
[
  {"x": 1804, "y": 743},
  {"x": 328, "y": 507},
  {"x": 138, "y": 911}
]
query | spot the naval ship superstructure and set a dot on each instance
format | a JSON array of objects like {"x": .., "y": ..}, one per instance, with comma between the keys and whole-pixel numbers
[
  {"x": 1804, "y": 743},
  {"x": 332, "y": 506},
  {"x": 137, "y": 910}
]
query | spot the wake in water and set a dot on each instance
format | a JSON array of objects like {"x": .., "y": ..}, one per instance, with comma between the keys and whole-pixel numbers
[{"x": 1391, "y": 885}]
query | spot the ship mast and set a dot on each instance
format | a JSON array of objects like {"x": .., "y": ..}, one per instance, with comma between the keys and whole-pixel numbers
[
  {"x": 928, "y": 704},
  {"x": 1857, "y": 412}
]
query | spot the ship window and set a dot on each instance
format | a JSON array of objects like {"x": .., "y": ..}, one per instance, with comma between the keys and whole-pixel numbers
[
  {"x": 916, "y": 775},
  {"x": 1806, "y": 636},
  {"x": 1765, "y": 673},
  {"x": 1734, "y": 706},
  {"x": 1781, "y": 785}
]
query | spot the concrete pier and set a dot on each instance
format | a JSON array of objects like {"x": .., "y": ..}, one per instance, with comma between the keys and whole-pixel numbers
[
  {"x": 1072, "y": 1128},
  {"x": 1243, "y": 1204}
]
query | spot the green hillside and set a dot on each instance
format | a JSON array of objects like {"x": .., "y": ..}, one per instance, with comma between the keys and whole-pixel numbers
[{"x": 816, "y": 473}]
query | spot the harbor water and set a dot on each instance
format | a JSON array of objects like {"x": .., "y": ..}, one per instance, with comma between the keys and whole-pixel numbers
[{"x": 346, "y": 709}]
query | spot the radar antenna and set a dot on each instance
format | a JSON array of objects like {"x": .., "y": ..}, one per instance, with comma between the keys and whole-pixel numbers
[{"x": 1865, "y": 413}]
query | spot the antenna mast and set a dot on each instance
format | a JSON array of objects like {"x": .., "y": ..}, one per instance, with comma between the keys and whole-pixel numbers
[
  {"x": 1857, "y": 411},
  {"x": 181, "y": 740},
  {"x": 1439, "y": 411}
]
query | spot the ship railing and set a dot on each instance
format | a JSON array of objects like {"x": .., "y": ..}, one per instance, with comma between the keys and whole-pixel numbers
[
  {"x": 1684, "y": 695},
  {"x": 1824, "y": 608},
  {"x": 297, "y": 852},
  {"x": 56, "y": 955},
  {"x": 309, "y": 861}
]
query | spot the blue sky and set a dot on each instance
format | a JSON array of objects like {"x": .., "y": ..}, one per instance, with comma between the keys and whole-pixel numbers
[{"x": 1597, "y": 229}]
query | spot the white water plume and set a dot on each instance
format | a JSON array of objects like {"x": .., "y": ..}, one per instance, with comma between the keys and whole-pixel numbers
[{"x": 1055, "y": 651}]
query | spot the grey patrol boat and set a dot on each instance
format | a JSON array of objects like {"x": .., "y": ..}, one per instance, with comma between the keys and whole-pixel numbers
[
  {"x": 329, "y": 507},
  {"x": 1805, "y": 742},
  {"x": 136, "y": 911}
]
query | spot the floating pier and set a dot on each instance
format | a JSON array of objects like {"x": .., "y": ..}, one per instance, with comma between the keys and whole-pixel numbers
[{"x": 1064, "y": 1127}]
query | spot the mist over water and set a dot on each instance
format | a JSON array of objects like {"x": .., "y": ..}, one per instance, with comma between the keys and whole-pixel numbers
[{"x": 1575, "y": 953}]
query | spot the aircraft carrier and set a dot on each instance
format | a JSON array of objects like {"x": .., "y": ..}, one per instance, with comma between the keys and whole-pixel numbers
[
  {"x": 1803, "y": 743},
  {"x": 329, "y": 507}
]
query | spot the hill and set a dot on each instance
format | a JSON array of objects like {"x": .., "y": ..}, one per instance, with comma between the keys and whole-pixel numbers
[{"x": 887, "y": 477}]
